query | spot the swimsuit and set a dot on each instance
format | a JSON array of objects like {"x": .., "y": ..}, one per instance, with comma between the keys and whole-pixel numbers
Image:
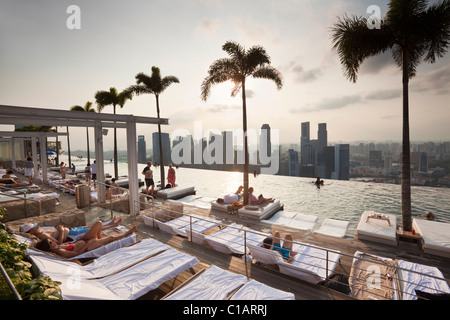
[{"x": 285, "y": 252}]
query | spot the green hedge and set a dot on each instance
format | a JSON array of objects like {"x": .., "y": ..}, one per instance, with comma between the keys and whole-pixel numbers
[{"x": 12, "y": 258}]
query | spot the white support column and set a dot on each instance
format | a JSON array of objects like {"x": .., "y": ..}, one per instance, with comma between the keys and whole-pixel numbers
[
  {"x": 13, "y": 153},
  {"x": 34, "y": 157},
  {"x": 43, "y": 141},
  {"x": 98, "y": 136},
  {"x": 133, "y": 184}
]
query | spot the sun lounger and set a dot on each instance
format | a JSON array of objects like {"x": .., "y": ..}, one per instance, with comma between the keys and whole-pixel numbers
[
  {"x": 435, "y": 236},
  {"x": 129, "y": 240},
  {"x": 311, "y": 263},
  {"x": 211, "y": 284},
  {"x": 414, "y": 276},
  {"x": 224, "y": 207},
  {"x": 138, "y": 277},
  {"x": 303, "y": 222},
  {"x": 254, "y": 290},
  {"x": 262, "y": 211},
  {"x": 382, "y": 230},
  {"x": 103, "y": 266},
  {"x": 175, "y": 193},
  {"x": 373, "y": 278},
  {"x": 182, "y": 226},
  {"x": 230, "y": 240},
  {"x": 334, "y": 228}
]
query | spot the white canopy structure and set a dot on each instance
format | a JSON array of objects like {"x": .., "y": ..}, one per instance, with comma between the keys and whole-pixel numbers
[{"x": 19, "y": 115}]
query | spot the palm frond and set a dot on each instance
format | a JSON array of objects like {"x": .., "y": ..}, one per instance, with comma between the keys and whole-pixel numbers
[
  {"x": 355, "y": 42},
  {"x": 269, "y": 73},
  {"x": 254, "y": 57},
  {"x": 234, "y": 49},
  {"x": 220, "y": 71},
  {"x": 167, "y": 81}
]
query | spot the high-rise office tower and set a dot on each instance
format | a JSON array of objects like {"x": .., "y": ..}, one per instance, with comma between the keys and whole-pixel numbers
[
  {"x": 165, "y": 146},
  {"x": 341, "y": 162},
  {"x": 142, "y": 155},
  {"x": 322, "y": 142},
  {"x": 307, "y": 153},
  {"x": 293, "y": 165},
  {"x": 264, "y": 140}
]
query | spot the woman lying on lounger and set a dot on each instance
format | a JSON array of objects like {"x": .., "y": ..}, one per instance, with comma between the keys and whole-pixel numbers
[
  {"x": 260, "y": 200},
  {"x": 61, "y": 233},
  {"x": 275, "y": 245},
  {"x": 90, "y": 241}
]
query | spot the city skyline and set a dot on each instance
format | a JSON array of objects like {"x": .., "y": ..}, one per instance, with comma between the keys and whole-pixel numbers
[{"x": 46, "y": 64}]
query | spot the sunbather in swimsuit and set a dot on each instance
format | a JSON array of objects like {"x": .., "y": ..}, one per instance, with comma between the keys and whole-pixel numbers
[{"x": 285, "y": 252}]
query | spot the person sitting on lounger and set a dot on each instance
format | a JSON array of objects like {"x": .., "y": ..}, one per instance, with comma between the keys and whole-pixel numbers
[
  {"x": 274, "y": 243},
  {"x": 62, "y": 234},
  {"x": 90, "y": 241},
  {"x": 260, "y": 200},
  {"x": 232, "y": 197}
]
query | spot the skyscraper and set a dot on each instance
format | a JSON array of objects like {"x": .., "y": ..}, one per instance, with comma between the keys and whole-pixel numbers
[
  {"x": 341, "y": 162},
  {"x": 293, "y": 165},
  {"x": 322, "y": 142},
  {"x": 307, "y": 153},
  {"x": 142, "y": 155},
  {"x": 165, "y": 146},
  {"x": 265, "y": 144}
]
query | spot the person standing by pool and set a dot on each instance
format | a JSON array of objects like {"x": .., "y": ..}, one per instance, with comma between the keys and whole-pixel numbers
[
  {"x": 29, "y": 169},
  {"x": 171, "y": 176},
  {"x": 148, "y": 173}
]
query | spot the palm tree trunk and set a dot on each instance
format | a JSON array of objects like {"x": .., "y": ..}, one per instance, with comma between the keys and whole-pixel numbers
[
  {"x": 116, "y": 169},
  {"x": 161, "y": 159},
  {"x": 406, "y": 155},
  {"x": 244, "y": 125}
]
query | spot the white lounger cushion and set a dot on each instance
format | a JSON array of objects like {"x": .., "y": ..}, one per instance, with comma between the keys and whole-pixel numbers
[
  {"x": 182, "y": 225},
  {"x": 311, "y": 264},
  {"x": 212, "y": 284},
  {"x": 254, "y": 290},
  {"x": 435, "y": 236},
  {"x": 263, "y": 211},
  {"x": 230, "y": 240},
  {"x": 377, "y": 230},
  {"x": 303, "y": 221},
  {"x": 149, "y": 274},
  {"x": 411, "y": 281},
  {"x": 176, "y": 192},
  {"x": 105, "y": 265},
  {"x": 334, "y": 228}
]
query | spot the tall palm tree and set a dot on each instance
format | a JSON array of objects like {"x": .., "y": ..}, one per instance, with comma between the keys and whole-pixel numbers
[
  {"x": 411, "y": 30},
  {"x": 87, "y": 108},
  {"x": 156, "y": 85},
  {"x": 111, "y": 97},
  {"x": 254, "y": 62}
]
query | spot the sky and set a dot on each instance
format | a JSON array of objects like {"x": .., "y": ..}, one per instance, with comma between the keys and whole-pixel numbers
[{"x": 46, "y": 64}]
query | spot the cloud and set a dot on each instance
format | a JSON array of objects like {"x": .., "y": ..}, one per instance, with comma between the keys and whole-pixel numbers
[
  {"x": 208, "y": 27},
  {"x": 384, "y": 94},
  {"x": 255, "y": 32},
  {"x": 329, "y": 104},
  {"x": 300, "y": 74},
  {"x": 376, "y": 64},
  {"x": 435, "y": 81}
]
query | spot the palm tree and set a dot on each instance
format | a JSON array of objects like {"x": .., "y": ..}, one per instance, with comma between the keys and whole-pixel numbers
[
  {"x": 111, "y": 97},
  {"x": 87, "y": 108},
  {"x": 241, "y": 64},
  {"x": 411, "y": 30},
  {"x": 154, "y": 85}
]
